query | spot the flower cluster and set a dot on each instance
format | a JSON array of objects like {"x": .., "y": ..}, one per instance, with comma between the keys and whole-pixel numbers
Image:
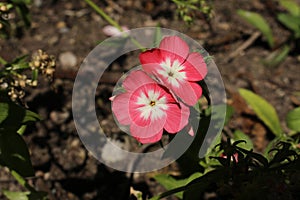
[
  {"x": 157, "y": 96},
  {"x": 15, "y": 76}
]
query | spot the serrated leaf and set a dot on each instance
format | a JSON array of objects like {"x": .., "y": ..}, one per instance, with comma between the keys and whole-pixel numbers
[
  {"x": 14, "y": 153},
  {"x": 258, "y": 22},
  {"x": 16, "y": 195},
  {"x": 291, "y": 6},
  {"x": 265, "y": 111},
  {"x": 293, "y": 119},
  {"x": 239, "y": 135}
]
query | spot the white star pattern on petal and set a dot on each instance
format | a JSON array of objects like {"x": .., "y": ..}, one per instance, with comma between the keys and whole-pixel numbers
[
  {"x": 172, "y": 71},
  {"x": 151, "y": 105}
]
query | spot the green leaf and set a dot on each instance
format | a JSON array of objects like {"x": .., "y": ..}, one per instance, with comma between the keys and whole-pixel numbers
[
  {"x": 16, "y": 195},
  {"x": 33, "y": 195},
  {"x": 291, "y": 6},
  {"x": 14, "y": 153},
  {"x": 229, "y": 113},
  {"x": 291, "y": 22},
  {"x": 170, "y": 182},
  {"x": 258, "y": 22},
  {"x": 293, "y": 119},
  {"x": 13, "y": 116},
  {"x": 278, "y": 56},
  {"x": 194, "y": 190},
  {"x": 265, "y": 111},
  {"x": 239, "y": 135}
]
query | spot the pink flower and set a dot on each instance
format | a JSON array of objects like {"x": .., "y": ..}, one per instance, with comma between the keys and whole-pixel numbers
[
  {"x": 148, "y": 108},
  {"x": 176, "y": 68}
]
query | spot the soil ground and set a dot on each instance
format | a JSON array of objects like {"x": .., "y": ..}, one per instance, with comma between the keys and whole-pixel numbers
[{"x": 63, "y": 166}]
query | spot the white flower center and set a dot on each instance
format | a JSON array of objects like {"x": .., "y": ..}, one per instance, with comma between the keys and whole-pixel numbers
[
  {"x": 172, "y": 71},
  {"x": 151, "y": 105}
]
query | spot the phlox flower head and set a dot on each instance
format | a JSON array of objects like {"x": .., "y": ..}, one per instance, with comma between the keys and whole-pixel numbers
[
  {"x": 176, "y": 68},
  {"x": 148, "y": 108}
]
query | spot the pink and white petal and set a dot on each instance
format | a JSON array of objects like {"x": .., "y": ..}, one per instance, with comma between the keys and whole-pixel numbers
[
  {"x": 151, "y": 56},
  {"x": 152, "y": 139},
  {"x": 189, "y": 92},
  {"x": 149, "y": 131},
  {"x": 191, "y": 73},
  {"x": 175, "y": 45},
  {"x": 196, "y": 60},
  {"x": 177, "y": 118},
  {"x": 120, "y": 108},
  {"x": 136, "y": 79}
]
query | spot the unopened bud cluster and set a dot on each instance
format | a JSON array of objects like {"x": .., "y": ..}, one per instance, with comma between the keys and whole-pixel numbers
[
  {"x": 4, "y": 12},
  {"x": 15, "y": 82},
  {"x": 43, "y": 62}
]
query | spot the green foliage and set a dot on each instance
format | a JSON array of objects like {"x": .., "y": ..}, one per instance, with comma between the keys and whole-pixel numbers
[
  {"x": 239, "y": 135},
  {"x": 13, "y": 116},
  {"x": 265, "y": 111},
  {"x": 290, "y": 20},
  {"x": 16, "y": 195},
  {"x": 250, "y": 176},
  {"x": 293, "y": 119},
  {"x": 186, "y": 9},
  {"x": 14, "y": 153},
  {"x": 277, "y": 56},
  {"x": 20, "y": 7},
  {"x": 291, "y": 6},
  {"x": 258, "y": 22},
  {"x": 13, "y": 150},
  {"x": 170, "y": 182}
]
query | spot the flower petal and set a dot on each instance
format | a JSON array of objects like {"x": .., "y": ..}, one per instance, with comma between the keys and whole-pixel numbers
[
  {"x": 136, "y": 79},
  {"x": 120, "y": 108},
  {"x": 189, "y": 92},
  {"x": 147, "y": 132},
  {"x": 152, "y": 139},
  {"x": 177, "y": 118},
  {"x": 175, "y": 45},
  {"x": 197, "y": 61}
]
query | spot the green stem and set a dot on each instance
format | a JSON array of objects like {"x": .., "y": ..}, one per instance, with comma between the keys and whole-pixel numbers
[
  {"x": 103, "y": 14},
  {"x": 112, "y": 22}
]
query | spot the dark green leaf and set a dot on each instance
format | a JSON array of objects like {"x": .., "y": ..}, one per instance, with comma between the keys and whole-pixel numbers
[
  {"x": 13, "y": 116},
  {"x": 265, "y": 111},
  {"x": 261, "y": 159},
  {"x": 170, "y": 182},
  {"x": 14, "y": 153},
  {"x": 195, "y": 189},
  {"x": 293, "y": 119},
  {"x": 258, "y": 22}
]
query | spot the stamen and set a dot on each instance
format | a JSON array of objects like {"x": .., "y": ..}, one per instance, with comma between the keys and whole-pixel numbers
[{"x": 152, "y": 103}]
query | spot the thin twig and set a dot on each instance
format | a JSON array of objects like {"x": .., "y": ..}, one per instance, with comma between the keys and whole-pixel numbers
[{"x": 244, "y": 46}]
